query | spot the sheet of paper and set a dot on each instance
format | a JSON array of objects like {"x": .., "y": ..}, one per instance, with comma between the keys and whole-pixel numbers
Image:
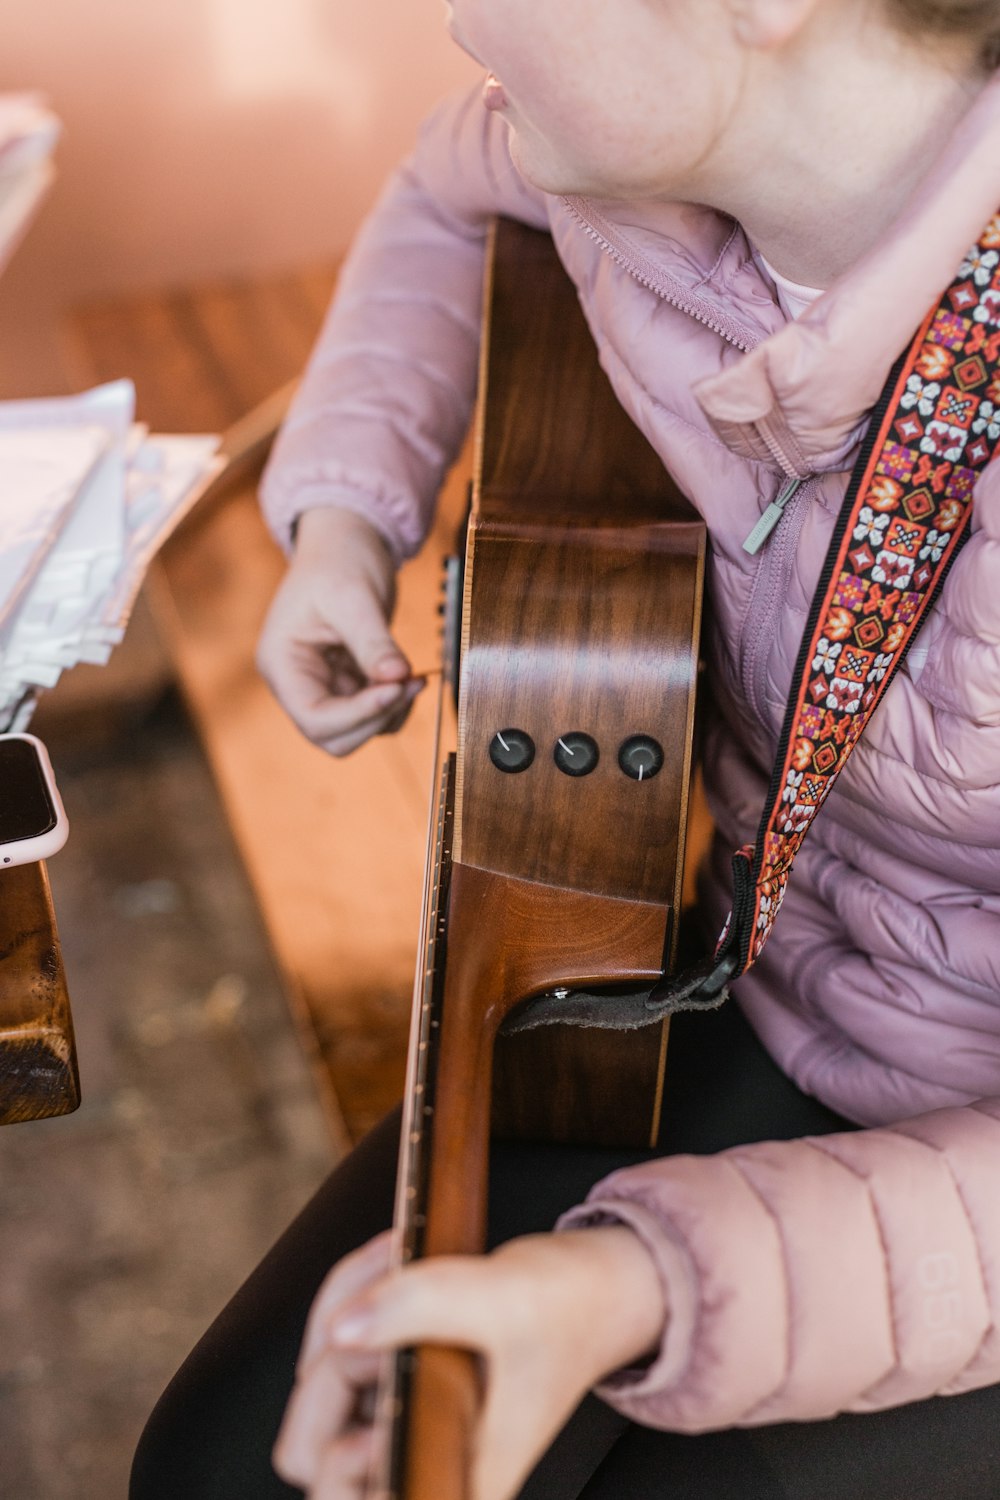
[
  {"x": 41, "y": 474},
  {"x": 86, "y": 499}
]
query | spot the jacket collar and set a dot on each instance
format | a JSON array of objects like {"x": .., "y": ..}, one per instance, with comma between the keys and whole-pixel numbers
[{"x": 801, "y": 394}]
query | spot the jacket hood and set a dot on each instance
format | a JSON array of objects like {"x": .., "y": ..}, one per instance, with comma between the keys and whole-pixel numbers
[{"x": 803, "y": 395}]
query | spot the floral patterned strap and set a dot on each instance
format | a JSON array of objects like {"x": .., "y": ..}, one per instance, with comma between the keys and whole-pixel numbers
[{"x": 905, "y": 516}]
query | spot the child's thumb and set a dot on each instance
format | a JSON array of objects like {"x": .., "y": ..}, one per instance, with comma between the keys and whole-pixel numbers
[{"x": 374, "y": 649}]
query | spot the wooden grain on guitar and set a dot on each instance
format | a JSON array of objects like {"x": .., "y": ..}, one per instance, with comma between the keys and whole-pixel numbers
[
  {"x": 38, "y": 1073},
  {"x": 583, "y": 589},
  {"x": 583, "y": 604}
]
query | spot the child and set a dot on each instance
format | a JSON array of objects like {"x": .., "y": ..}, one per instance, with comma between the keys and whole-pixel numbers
[{"x": 758, "y": 200}]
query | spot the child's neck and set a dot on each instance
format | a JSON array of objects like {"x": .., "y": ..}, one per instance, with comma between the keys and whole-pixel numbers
[{"x": 827, "y": 151}]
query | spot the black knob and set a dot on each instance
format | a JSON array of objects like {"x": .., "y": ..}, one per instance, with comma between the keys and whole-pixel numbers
[
  {"x": 576, "y": 754},
  {"x": 512, "y": 750},
  {"x": 640, "y": 757}
]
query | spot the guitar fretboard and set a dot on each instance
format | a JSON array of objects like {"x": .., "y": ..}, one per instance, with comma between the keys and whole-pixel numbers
[{"x": 418, "y": 1114}]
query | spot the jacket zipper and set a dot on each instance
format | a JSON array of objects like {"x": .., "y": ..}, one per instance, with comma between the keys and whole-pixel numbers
[
  {"x": 769, "y": 520},
  {"x": 734, "y": 333},
  {"x": 770, "y": 586},
  {"x": 773, "y": 568}
]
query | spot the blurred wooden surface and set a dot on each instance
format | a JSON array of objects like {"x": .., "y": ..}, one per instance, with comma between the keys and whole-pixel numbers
[
  {"x": 38, "y": 1073},
  {"x": 334, "y": 849}
]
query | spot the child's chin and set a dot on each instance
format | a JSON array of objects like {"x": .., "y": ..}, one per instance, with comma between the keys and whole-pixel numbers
[{"x": 545, "y": 171}]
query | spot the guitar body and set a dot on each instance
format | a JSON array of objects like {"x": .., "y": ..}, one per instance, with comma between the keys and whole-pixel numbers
[
  {"x": 583, "y": 599},
  {"x": 579, "y": 636}
]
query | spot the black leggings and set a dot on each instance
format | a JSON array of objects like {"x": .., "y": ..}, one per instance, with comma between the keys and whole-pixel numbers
[{"x": 210, "y": 1435}]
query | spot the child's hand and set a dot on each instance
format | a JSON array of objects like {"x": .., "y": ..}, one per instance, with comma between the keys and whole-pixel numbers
[
  {"x": 550, "y": 1315},
  {"x": 325, "y": 649}
]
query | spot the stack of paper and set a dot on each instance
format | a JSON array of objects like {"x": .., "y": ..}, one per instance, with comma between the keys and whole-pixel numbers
[
  {"x": 28, "y": 134},
  {"x": 86, "y": 498}
]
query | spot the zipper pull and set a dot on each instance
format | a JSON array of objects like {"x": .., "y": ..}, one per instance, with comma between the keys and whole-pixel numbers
[{"x": 771, "y": 517}]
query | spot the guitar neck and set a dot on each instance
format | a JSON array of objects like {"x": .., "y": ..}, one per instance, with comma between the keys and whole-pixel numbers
[{"x": 394, "y": 1402}]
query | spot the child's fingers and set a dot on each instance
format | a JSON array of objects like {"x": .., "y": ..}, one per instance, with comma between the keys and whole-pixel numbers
[
  {"x": 322, "y": 692},
  {"x": 360, "y": 620},
  {"x": 362, "y": 713},
  {"x": 397, "y": 719},
  {"x": 314, "y": 646},
  {"x": 348, "y": 1277},
  {"x": 345, "y": 1467},
  {"x": 358, "y": 734},
  {"x": 317, "y": 1409},
  {"x": 305, "y": 675},
  {"x": 443, "y": 1300},
  {"x": 321, "y": 1410}
]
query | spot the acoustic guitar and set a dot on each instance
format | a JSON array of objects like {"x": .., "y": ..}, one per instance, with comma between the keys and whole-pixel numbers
[{"x": 556, "y": 849}]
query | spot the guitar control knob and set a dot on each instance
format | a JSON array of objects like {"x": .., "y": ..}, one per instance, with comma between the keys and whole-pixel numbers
[
  {"x": 640, "y": 757},
  {"x": 576, "y": 754},
  {"x": 512, "y": 750}
]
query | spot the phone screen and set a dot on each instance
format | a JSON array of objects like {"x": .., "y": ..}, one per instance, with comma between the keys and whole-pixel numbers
[{"x": 26, "y": 809}]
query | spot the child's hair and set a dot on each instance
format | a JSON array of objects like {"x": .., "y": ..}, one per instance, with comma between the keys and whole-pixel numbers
[{"x": 976, "y": 20}]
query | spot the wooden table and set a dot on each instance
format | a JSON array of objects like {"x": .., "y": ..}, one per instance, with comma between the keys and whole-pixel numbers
[
  {"x": 38, "y": 1072},
  {"x": 334, "y": 849}
]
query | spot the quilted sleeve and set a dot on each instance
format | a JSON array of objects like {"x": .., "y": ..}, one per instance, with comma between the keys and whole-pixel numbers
[
  {"x": 387, "y": 395},
  {"x": 847, "y": 1272}
]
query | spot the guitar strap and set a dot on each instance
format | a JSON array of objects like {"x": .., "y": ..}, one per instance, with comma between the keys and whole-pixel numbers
[{"x": 906, "y": 514}]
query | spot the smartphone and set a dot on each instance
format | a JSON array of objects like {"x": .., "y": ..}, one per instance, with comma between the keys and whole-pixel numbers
[{"x": 33, "y": 823}]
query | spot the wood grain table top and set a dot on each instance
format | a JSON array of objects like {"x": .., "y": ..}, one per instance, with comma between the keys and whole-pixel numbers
[
  {"x": 334, "y": 849},
  {"x": 38, "y": 1069}
]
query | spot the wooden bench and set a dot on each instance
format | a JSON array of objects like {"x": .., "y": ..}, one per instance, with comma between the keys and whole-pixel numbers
[{"x": 334, "y": 849}]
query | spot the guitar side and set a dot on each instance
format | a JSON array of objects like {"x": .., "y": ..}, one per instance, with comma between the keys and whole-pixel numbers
[{"x": 581, "y": 614}]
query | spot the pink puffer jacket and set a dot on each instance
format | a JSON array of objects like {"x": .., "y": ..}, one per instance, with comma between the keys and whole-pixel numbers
[{"x": 853, "y": 1271}]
